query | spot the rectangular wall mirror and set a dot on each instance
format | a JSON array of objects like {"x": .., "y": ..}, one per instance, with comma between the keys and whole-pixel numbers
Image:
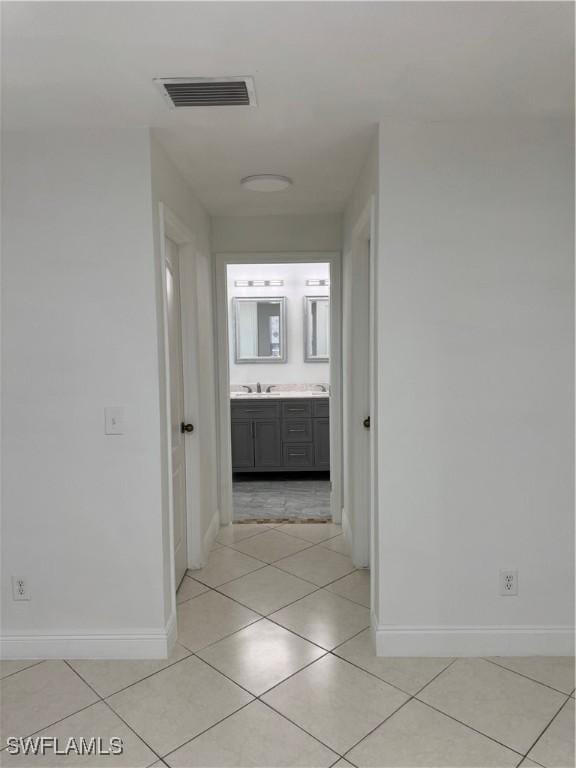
[
  {"x": 316, "y": 329},
  {"x": 260, "y": 330}
]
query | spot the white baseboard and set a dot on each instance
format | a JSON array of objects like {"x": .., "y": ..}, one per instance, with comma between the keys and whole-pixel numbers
[
  {"x": 473, "y": 641},
  {"x": 134, "y": 645}
]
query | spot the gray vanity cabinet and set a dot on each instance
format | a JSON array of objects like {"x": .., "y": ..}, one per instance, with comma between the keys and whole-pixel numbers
[{"x": 291, "y": 434}]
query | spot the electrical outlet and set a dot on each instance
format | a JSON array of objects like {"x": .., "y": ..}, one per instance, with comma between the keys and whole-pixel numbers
[
  {"x": 508, "y": 583},
  {"x": 20, "y": 589}
]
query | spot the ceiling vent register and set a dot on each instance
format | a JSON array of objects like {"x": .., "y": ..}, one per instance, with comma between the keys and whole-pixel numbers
[{"x": 184, "y": 92}]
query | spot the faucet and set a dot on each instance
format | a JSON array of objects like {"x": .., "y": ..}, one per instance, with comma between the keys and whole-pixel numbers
[
  {"x": 246, "y": 387},
  {"x": 323, "y": 387},
  {"x": 258, "y": 387},
  {"x": 270, "y": 387}
]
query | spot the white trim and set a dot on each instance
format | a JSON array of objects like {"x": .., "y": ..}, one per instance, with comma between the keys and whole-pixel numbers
[
  {"x": 146, "y": 644},
  {"x": 221, "y": 261},
  {"x": 210, "y": 536},
  {"x": 473, "y": 641}
]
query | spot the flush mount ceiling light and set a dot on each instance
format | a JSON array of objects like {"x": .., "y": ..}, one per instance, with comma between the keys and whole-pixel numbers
[{"x": 266, "y": 182}]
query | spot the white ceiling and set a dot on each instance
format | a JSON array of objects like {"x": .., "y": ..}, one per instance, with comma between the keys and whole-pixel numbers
[{"x": 325, "y": 74}]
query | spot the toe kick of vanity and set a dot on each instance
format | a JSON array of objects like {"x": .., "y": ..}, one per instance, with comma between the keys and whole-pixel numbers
[{"x": 291, "y": 434}]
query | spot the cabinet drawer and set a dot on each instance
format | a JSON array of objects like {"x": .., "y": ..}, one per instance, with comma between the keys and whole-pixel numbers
[
  {"x": 296, "y": 408},
  {"x": 296, "y": 430},
  {"x": 298, "y": 455},
  {"x": 255, "y": 411},
  {"x": 322, "y": 408}
]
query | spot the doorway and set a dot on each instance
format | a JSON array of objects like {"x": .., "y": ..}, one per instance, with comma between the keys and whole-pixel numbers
[{"x": 278, "y": 326}]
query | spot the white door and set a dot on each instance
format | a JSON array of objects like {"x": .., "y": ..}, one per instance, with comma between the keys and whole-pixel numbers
[{"x": 177, "y": 408}]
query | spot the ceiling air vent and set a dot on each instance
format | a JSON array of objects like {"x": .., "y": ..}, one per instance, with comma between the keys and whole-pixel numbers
[{"x": 208, "y": 91}]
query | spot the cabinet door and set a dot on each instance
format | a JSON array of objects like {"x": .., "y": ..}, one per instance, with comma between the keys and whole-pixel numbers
[
  {"x": 322, "y": 442},
  {"x": 242, "y": 444},
  {"x": 267, "y": 445}
]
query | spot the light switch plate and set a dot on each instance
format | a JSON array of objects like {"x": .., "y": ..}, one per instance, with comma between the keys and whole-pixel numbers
[{"x": 114, "y": 420}]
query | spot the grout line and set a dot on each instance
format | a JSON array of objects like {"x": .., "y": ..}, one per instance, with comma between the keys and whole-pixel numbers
[
  {"x": 408, "y": 700},
  {"x": 332, "y": 749},
  {"x": 35, "y": 663},
  {"x": 545, "y": 729},
  {"x": 527, "y": 677}
]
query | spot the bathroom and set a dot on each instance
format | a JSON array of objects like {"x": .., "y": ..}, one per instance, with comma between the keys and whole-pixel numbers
[{"x": 279, "y": 372}]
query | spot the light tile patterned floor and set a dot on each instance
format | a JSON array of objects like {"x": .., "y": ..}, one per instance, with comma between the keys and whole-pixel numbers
[{"x": 274, "y": 668}]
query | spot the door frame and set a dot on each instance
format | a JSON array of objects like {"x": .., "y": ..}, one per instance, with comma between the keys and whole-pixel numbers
[
  {"x": 221, "y": 262},
  {"x": 359, "y": 502},
  {"x": 171, "y": 227}
]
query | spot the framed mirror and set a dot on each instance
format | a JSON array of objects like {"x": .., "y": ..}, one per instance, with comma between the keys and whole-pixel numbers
[
  {"x": 316, "y": 329},
  {"x": 259, "y": 330}
]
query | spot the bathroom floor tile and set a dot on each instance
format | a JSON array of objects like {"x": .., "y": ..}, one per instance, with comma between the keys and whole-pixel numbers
[
  {"x": 209, "y": 618},
  {"x": 555, "y": 748},
  {"x": 408, "y": 674},
  {"x": 254, "y": 737},
  {"x": 178, "y": 703},
  {"x": 232, "y": 534},
  {"x": 96, "y": 721},
  {"x": 188, "y": 589},
  {"x": 224, "y": 565},
  {"x": 419, "y": 737},
  {"x": 335, "y": 702},
  {"x": 271, "y": 546},
  {"x": 267, "y": 589},
  {"x": 355, "y": 587},
  {"x": 108, "y": 677},
  {"x": 39, "y": 696},
  {"x": 318, "y": 565},
  {"x": 260, "y": 656},
  {"x": 501, "y": 704},
  {"x": 324, "y": 618}
]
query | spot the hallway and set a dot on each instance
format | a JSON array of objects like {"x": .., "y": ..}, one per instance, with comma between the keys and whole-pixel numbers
[{"x": 274, "y": 667}]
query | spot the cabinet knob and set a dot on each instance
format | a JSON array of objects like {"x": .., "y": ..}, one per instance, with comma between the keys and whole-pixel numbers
[
  {"x": 186, "y": 427},
  {"x": 366, "y": 422}
]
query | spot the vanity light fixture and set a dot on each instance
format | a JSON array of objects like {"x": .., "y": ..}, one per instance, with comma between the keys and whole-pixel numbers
[
  {"x": 266, "y": 182},
  {"x": 317, "y": 282},
  {"x": 258, "y": 283}
]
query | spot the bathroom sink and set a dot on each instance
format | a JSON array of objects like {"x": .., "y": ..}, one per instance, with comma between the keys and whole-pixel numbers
[{"x": 272, "y": 395}]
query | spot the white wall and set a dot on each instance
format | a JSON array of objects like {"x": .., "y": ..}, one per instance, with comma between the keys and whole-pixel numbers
[
  {"x": 81, "y": 510},
  {"x": 322, "y": 232},
  {"x": 475, "y": 324},
  {"x": 169, "y": 188},
  {"x": 295, "y": 370}
]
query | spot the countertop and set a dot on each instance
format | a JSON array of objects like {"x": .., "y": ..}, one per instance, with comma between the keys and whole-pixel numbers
[{"x": 286, "y": 395}]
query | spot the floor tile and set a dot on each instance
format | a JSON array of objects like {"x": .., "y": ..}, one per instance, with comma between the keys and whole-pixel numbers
[
  {"x": 313, "y": 532},
  {"x": 39, "y": 696},
  {"x": 499, "y": 703},
  {"x": 108, "y": 677},
  {"x": 318, "y": 565},
  {"x": 555, "y": 671},
  {"x": 342, "y": 763},
  {"x": 231, "y": 534},
  {"x": 224, "y": 565},
  {"x": 97, "y": 721},
  {"x": 178, "y": 703},
  {"x": 271, "y": 546},
  {"x": 335, "y": 702},
  {"x": 355, "y": 587},
  {"x": 527, "y": 763},
  {"x": 209, "y": 618},
  {"x": 419, "y": 737},
  {"x": 324, "y": 618},
  {"x": 188, "y": 589},
  {"x": 408, "y": 674},
  {"x": 10, "y": 667},
  {"x": 337, "y": 544},
  {"x": 254, "y": 737},
  {"x": 260, "y": 656},
  {"x": 555, "y": 748},
  {"x": 267, "y": 589}
]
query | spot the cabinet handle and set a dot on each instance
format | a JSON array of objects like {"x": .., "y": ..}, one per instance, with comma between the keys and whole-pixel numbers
[
  {"x": 296, "y": 430},
  {"x": 296, "y": 454},
  {"x": 298, "y": 410}
]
